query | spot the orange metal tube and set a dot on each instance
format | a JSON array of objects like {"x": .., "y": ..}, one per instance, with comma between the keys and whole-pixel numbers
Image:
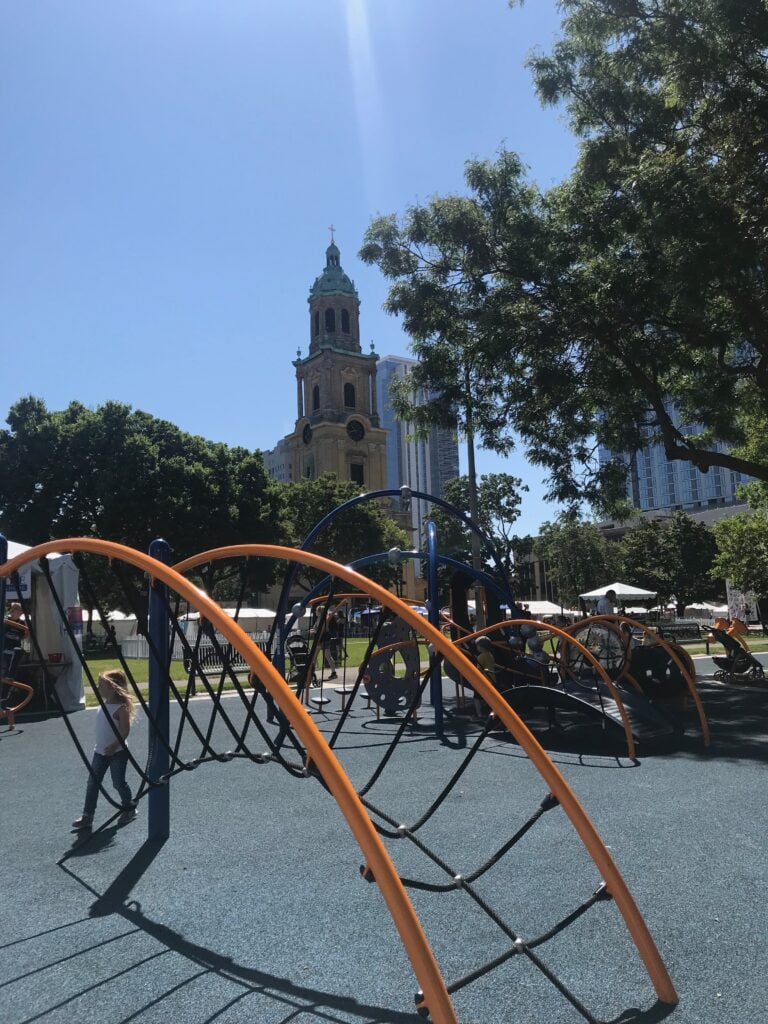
[{"x": 10, "y": 713}]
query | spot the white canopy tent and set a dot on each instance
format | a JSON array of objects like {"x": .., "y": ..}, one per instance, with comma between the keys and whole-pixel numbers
[
  {"x": 624, "y": 592},
  {"x": 540, "y": 608},
  {"x": 707, "y": 608},
  {"x": 59, "y": 655},
  {"x": 123, "y": 625},
  {"x": 252, "y": 620}
]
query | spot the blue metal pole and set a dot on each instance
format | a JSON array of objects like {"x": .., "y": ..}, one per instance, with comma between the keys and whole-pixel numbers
[
  {"x": 159, "y": 692},
  {"x": 433, "y": 614}
]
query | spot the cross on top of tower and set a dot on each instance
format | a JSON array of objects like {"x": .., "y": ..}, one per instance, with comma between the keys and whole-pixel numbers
[{"x": 332, "y": 229}]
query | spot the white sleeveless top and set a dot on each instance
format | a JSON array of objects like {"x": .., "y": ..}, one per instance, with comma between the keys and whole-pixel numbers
[{"x": 105, "y": 736}]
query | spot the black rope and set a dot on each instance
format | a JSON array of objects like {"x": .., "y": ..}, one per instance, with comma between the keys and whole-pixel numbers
[
  {"x": 547, "y": 804},
  {"x": 218, "y": 710},
  {"x": 407, "y": 720},
  {"x": 519, "y": 945},
  {"x": 600, "y": 894},
  {"x": 362, "y": 669},
  {"x": 452, "y": 782},
  {"x": 386, "y": 825}
]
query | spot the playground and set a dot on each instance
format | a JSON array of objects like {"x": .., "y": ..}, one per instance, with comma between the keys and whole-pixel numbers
[{"x": 472, "y": 838}]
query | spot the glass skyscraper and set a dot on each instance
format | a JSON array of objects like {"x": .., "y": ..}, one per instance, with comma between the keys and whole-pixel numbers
[
  {"x": 656, "y": 482},
  {"x": 423, "y": 465}
]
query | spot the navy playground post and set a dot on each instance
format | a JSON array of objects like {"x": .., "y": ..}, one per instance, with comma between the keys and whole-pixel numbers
[
  {"x": 159, "y": 798},
  {"x": 433, "y": 612},
  {"x": 3, "y": 560},
  {"x": 405, "y": 493}
]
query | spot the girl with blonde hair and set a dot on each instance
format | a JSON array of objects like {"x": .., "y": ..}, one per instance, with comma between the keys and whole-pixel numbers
[{"x": 111, "y": 749}]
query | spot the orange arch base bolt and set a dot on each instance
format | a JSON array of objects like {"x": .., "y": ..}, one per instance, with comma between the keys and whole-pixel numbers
[{"x": 436, "y": 999}]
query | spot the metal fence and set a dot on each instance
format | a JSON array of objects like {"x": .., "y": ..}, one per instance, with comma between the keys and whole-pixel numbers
[{"x": 138, "y": 647}]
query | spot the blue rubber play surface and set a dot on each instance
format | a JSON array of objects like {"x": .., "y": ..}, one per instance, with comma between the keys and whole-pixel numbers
[{"x": 255, "y": 911}]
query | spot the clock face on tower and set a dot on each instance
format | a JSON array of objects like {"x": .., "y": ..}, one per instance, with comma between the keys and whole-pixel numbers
[
  {"x": 356, "y": 430},
  {"x": 306, "y": 434}
]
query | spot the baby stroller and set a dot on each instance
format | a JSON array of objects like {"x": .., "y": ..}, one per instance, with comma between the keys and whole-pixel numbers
[
  {"x": 301, "y": 671},
  {"x": 738, "y": 665}
]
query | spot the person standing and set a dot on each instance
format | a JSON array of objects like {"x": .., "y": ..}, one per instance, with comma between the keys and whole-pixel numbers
[
  {"x": 607, "y": 604},
  {"x": 331, "y": 642},
  {"x": 15, "y": 633}
]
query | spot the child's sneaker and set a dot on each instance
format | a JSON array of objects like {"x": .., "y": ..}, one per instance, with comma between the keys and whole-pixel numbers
[
  {"x": 127, "y": 816},
  {"x": 83, "y": 823}
]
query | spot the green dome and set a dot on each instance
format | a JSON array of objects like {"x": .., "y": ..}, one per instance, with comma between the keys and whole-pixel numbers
[{"x": 333, "y": 280}]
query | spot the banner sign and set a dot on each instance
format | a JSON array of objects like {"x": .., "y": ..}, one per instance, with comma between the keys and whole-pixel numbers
[{"x": 19, "y": 586}]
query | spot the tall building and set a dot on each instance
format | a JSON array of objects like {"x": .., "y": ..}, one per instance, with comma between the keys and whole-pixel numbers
[
  {"x": 337, "y": 426},
  {"x": 658, "y": 483},
  {"x": 422, "y": 464}
]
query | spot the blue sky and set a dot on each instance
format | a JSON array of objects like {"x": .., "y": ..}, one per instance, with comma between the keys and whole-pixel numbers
[{"x": 170, "y": 168}]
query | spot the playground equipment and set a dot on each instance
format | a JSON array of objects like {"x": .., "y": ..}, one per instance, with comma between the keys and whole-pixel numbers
[
  {"x": 14, "y": 697},
  {"x": 295, "y": 745},
  {"x": 645, "y": 705},
  {"x": 596, "y": 671}
]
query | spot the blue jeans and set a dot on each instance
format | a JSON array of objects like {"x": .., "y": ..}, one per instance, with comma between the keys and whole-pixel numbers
[{"x": 117, "y": 765}]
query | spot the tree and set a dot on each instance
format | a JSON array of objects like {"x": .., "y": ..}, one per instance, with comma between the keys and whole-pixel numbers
[
  {"x": 670, "y": 102},
  {"x": 364, "y": 529},
  {"x": 499, "y": 497},
  {"x": 523, "y": 575},
  {"x": 123, "y": 475},
  {"x": 673, "y": 557},
  {"x": 742, "y": 547},
  {"x": 589, "y": 311},
  {"x": 578, "y": 557}
]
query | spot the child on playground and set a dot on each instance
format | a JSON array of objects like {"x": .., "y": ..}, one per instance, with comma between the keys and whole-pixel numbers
[{"x": 110, "y": 750}]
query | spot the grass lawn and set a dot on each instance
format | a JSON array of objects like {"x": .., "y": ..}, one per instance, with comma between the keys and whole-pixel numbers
[
  {"x": 355, "y": 652},
  {"x": 140, "y": 671}
]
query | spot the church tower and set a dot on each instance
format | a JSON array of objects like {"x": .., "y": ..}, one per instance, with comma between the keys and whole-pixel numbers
[{"x": 337, "y": 423}]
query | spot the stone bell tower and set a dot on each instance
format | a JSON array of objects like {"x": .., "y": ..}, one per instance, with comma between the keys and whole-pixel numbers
[{"x": 337, "y": 421}]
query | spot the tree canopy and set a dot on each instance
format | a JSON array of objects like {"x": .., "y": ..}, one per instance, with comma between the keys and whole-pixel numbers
[
  {"x": 499, "y": 497},
  {"x": 577, "y": 556},
  {"x": 585, "y": 312},
  {"x": 742, "y": 546},
  {"x": 364, "y": 529},
  {"x": 669, "y": 557},
  {"x": 672, "y": 558},
  {"x": 123, "y": 475}
]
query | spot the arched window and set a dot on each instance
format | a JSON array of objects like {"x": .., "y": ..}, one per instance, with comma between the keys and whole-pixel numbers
[
  {"x": 330, "y": 321},
  {"x": 345, "y": 321},
  {"x": 317, "y": 323},
  {"x": 349, "y": 396},
  {"x": 357, "y": 473},
  {"x": 315, "y": 398}
]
